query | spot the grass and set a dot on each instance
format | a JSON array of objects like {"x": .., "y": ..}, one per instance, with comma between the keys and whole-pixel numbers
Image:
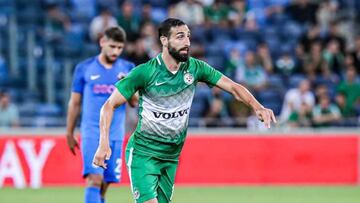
[{"x": 252, "y": 194}]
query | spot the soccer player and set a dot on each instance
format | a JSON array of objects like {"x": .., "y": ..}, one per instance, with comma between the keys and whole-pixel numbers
[
  {"x": 166, "y": 86},
  {"x": 93, "y": 83}
]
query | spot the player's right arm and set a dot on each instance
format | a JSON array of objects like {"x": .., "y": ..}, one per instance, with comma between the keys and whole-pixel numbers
[
  {"x": 74, "y": 107},
  {"x": 73, "y": 113},
  {"x": 124, "y": 91},
  {"x": 106, "y": 115}
]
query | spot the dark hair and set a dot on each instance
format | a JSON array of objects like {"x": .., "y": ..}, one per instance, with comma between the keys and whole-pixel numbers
[
  {"x": 116, "y": 33},
  {"x": 166, "y": 25}
]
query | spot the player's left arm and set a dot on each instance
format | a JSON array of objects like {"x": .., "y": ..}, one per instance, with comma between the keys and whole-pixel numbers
[{"x": 243, "y": 95}]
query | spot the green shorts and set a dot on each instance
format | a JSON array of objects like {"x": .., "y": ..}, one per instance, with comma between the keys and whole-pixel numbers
[{"x": 150, "y": 177}]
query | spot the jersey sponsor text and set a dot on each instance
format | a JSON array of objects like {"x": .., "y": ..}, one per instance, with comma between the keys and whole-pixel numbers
[{"x": 175, "y": 114}]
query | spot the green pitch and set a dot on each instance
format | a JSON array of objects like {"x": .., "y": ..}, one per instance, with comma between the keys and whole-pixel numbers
[{"x": 252, "y": 194}]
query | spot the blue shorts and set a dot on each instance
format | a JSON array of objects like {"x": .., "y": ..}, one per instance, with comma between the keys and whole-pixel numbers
[{"x": 112, "y": 173}]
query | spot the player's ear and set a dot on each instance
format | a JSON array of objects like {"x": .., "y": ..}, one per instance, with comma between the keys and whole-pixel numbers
[
  {"x": 102, "y": 41},
  {"x": 164, "y": 41}
]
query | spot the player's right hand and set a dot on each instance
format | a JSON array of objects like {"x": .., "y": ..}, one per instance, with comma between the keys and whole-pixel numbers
[
  {"x": 103, "y": 153},
  {"x": 72, "y": 143}
]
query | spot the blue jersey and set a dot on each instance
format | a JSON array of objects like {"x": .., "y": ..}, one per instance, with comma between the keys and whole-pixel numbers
[{"x": 96, "y": 83}]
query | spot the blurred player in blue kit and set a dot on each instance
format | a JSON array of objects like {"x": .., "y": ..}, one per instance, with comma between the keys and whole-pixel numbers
[{"x": 93, "y": 83}]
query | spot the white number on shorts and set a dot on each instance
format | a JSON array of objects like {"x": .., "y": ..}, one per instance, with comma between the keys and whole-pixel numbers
[{"x": 118, "y": 168}]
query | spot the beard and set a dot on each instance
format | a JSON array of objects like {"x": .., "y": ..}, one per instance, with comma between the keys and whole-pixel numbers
[
  {"x": 109, "y": 60},
  {"x": 177, "y": 55}
]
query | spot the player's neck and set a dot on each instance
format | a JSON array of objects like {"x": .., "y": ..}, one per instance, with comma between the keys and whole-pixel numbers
[
  {"x": 104, "y": 62},
  {"x": 170, "y": 63}
]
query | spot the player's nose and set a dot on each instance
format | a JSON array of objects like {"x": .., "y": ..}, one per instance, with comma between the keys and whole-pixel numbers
[
  {"x": 187, "y": 42},
  {"x": 117, "y": 52}
]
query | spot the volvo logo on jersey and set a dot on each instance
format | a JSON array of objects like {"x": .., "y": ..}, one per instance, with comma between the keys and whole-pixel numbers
[
  {"x": 103, "y": 89},
  {"x": 175, "y": 114}
]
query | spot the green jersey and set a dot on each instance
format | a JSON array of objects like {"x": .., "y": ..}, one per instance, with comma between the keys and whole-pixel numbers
[{"x": 164, "y": 103}]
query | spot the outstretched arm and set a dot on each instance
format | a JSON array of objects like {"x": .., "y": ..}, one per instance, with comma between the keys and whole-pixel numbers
[
  {"x": 106, "y": 115},
  {"x": 242, "y": 94}
]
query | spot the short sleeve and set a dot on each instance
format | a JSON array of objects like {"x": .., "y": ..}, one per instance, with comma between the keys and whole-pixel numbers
[
  {"x": 134, "y": 81},
  {"x": 208, "y": 74},
  {"x": 78, "y": 82}
]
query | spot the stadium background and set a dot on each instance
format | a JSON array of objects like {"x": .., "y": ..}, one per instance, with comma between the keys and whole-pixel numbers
[{"x": 270, "y": 46}]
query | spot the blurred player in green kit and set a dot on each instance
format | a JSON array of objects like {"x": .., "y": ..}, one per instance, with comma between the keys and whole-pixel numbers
[{"x": 166, "y": 86}]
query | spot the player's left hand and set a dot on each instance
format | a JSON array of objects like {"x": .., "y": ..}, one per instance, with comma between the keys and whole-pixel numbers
[
  {"x": 266, "y": 115},
  {"x": 103, "y": 153},
  {"x": 72, "y": 143}
]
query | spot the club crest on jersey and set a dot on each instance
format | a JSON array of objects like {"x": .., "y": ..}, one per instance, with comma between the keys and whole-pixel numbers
[
  {"x": 188, "y": 78},
  {"x": 136, "y": 194}
]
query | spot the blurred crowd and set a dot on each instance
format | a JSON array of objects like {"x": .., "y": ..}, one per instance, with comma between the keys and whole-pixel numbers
[
  {"x": 9, "y": 115},
  {"x": 299, "y": 57}
]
